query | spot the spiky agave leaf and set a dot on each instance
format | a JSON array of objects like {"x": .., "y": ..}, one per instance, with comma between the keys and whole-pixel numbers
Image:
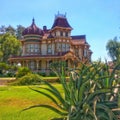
[
  {"x": 107, "y": 110},
  {"x": 61, "y": 101},
  {"x": 97, "y": 93},
  {"x": 49, "y": 107}
]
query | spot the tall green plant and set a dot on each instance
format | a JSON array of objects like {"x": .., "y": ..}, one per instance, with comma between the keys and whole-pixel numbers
[{"x": 84, "y": 94}]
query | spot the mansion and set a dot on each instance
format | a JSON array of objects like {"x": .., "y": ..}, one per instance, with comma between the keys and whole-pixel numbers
[{"x": 41, "y": 47}]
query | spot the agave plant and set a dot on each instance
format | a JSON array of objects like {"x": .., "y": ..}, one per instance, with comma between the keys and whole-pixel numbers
[{"x": 87, "y": 93}]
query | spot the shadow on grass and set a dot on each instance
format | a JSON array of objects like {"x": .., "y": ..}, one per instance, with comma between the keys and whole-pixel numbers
[{"x": 59, "y": 119}]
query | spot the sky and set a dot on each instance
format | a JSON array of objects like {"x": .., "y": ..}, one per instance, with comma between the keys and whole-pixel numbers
[{"x": 99, "y": 20}]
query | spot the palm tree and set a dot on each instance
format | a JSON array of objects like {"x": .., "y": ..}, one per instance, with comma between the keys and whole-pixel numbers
[{"x": 86, "y": 94}]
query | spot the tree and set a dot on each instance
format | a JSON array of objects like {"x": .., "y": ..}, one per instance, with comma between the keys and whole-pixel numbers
[
  {"x": 19, "y": 31},
  {"x": 2, "y": 29},
  {"x": 3, "y": 67},
  {"x": 113, "y": 48},
  {"x": 10, "y": 30},
  {"x": 9, "y": 46}
]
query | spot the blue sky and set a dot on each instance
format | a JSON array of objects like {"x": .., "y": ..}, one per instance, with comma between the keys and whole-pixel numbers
[{"x": 99, "y": 20}]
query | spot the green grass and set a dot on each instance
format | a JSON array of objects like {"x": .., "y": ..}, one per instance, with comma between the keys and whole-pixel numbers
[{"x": 15, "y": 98}]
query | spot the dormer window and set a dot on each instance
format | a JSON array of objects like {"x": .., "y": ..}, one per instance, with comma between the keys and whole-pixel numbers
[
  {"x": 64, "y": 34},
  {"x": 58, "y": 33}
]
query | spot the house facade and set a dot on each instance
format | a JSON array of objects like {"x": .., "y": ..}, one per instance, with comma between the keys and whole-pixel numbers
[{"x": 41, "y": 47}]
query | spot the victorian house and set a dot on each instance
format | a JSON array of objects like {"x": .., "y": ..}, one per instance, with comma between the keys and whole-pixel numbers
[{"x": 40, "y": 47}]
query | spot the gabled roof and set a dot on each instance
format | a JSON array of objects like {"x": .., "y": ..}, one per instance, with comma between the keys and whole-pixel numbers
[{"x": 50, "y": 36}]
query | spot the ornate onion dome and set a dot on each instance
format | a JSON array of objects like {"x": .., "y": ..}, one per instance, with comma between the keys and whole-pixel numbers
[
  {"x": 33, "y": 29},
  {"x": 61, "y": 21}
]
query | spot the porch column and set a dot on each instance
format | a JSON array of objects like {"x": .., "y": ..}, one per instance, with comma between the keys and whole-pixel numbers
[
  {"x": 37, "y": 64},
  {"x": 27, "y": 63},
  {"x": 48, "y": 66}
]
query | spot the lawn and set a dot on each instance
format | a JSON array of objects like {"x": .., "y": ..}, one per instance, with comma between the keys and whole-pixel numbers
[{"x": 15, "y": 98}]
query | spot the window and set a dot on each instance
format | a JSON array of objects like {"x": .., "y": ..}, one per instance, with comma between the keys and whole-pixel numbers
[
  {"x": 67, "y": 47},
  {"x": 76, "y": 52},
  {"x": 27, "y": 48},
  {"x": 66, "y": 34},
  {"x": 57, "y": 33},
  {"x": 50, "y": 62},
  {"x": 49, "y": 49},
  {"x": 36, "y": 48},
  {"x": 61, "y": 33},
  {"x": 63, "y": 47},
  {"x": 54, "y": 34},
  {"x": 80, "y": 53},
  {"x": 59, "y": 47},
  {"x": 85, "y": 52},
  {"x": 32, "y": 65},
  {"x": 33, "y": 48}
]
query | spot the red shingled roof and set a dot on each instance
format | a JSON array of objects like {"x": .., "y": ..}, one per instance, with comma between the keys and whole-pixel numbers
[
  {"x": 78, "y": 37},
  {"x": 61, "y": 22},
  {"x": 33, "y": 29}
]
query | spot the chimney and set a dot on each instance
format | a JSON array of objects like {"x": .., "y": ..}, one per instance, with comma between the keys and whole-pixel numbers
[{"x": 44, "y": 28}]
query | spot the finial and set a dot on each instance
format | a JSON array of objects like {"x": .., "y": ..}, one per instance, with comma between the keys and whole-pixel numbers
[
  {"x": 65, "y": 14},
  {"x": 60, "y": 15},
  {"x": 33, "y": 20}
]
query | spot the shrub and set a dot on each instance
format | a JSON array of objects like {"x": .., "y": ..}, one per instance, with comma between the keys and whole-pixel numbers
[
  {"x": 9, "y": 74},
  {"x": 52, "y": 74},
  {"x": 42, "y": 74},
  {"x": 29, "y": 79},
  {"x": 22, "y": 71}
]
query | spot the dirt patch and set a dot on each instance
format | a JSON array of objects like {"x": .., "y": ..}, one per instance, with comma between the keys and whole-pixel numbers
[{"x": 5, "y": 81}]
